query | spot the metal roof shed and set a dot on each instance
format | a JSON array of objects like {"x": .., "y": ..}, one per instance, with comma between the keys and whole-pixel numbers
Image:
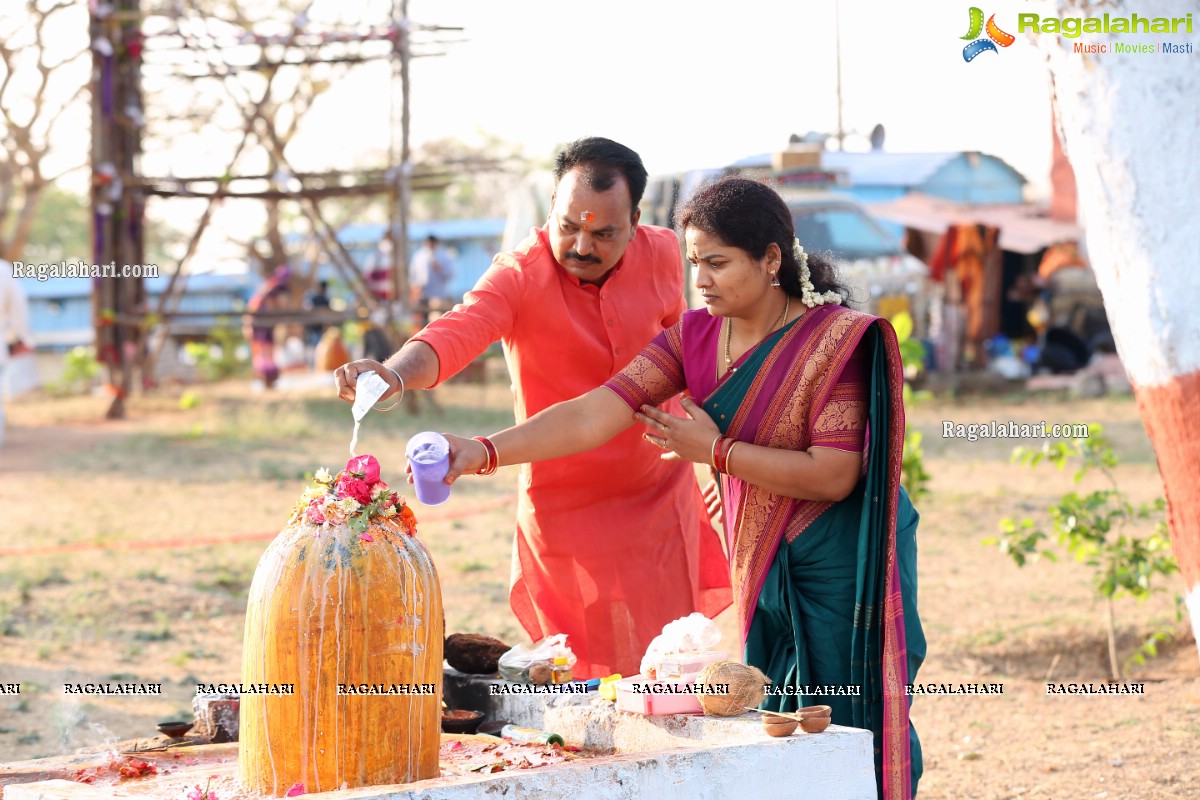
[{"x": 1024, "y": 228}]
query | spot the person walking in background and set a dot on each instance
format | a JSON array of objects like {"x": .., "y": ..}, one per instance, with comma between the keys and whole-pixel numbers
[
  {"x": 429, "y": 277},
  {"x": 318, "y": 300},
  {"x": 378, "y": 270},
  {"x": 15, "y": 336},
  {"x": 270, "y": 296},
  {"x": 613, "y": 544},
  {"x": 797, "y": 401}
]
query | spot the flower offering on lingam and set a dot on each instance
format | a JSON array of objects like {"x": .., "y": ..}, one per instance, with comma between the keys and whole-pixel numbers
[
  {"x": 354, "y": 497},
  {"x": 345, "y": 607}
]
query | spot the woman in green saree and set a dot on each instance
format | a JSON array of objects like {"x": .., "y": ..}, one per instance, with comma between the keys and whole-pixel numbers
[{"x": 800, "y": 411}]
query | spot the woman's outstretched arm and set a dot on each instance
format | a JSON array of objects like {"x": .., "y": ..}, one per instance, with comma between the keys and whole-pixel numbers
[{"x": 563, "y": 429}]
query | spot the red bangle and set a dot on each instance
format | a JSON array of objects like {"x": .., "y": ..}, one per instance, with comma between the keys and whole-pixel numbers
[
  {"x": 724, "y": 445},
  {"x": 493, "y": 458},
  {"x": 729, "y": 453}
]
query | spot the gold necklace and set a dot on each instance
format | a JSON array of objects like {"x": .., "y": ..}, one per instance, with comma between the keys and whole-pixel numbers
[{"x": 729, "y": 332}]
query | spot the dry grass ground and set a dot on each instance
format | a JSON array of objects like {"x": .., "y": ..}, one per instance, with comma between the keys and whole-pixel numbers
[{"x": 232, "y": 465}]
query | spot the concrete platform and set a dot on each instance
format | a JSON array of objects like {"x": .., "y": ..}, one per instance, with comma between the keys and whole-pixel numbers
[{"x": 628, "y": 757}]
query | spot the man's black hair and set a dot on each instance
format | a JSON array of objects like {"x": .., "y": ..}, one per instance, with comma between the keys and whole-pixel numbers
[{"x": 602, "y": 160}]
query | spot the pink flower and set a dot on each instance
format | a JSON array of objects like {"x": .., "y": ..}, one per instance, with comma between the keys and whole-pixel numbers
[
  {"x": 378, "y": 489},
  {"x": 296, "y": 790},
  {"x": 366, "y": 537},
  {"x": 357, "y": 488},
  {"x": 202, "y": 794},
  {"x": 365, "y": 467},
  {"x": 316, "y": 512},
  {"x": 390, "y": 500}
]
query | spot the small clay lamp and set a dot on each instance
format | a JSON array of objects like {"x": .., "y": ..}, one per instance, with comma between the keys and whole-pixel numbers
[
  {"x": 815, "y": 719},
  {"x": 775, "y": 725}
]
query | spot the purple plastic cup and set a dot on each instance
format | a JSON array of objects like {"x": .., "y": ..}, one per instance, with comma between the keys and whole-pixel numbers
[{"x": 429, "y": 456}]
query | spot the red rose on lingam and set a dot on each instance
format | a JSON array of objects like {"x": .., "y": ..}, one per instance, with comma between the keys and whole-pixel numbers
[
  {"x": 359, "y": 489},
  {"x": 365, "y": 467}
]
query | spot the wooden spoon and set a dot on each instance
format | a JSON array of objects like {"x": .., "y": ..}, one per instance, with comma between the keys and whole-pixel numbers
[{"x": 788, "y": 714}]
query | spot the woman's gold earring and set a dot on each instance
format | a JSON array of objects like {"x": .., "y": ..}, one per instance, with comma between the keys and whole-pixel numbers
[{"x": 774, "y": 280}]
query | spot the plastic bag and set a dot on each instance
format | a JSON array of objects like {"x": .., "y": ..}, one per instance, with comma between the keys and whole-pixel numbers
[
  {"x": 694, "y": 633},
  {"x": 515, "y": 664}
]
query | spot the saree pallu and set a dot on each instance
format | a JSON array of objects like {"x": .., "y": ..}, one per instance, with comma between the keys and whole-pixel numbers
[{"x": 829, "y": 589}]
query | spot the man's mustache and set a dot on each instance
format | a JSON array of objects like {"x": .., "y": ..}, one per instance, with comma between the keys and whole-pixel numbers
[{"x": 585, "y": 259}]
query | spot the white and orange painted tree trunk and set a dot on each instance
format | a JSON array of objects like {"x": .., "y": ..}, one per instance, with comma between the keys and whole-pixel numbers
[{"x": 1130, "y": 125}]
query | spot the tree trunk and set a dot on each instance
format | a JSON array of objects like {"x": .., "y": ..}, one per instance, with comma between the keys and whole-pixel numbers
[
  {"x": 1130, "y": 125},
  {"x": 30, "y": 201}
]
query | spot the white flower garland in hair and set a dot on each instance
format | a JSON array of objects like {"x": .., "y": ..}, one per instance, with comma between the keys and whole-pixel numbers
[{"x": 808, "y": 294}]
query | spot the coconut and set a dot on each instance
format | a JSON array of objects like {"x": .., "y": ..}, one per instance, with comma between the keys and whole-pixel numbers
[
  {"x": 540, "y": 674},
  {"x": 727, "y": 688}
]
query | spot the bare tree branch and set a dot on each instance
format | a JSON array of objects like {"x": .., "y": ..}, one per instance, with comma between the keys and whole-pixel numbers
[{"x": 28, "y": 119}]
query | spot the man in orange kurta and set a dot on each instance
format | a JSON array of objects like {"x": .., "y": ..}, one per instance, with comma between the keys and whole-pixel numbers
[{"x": 614, "y": 543}]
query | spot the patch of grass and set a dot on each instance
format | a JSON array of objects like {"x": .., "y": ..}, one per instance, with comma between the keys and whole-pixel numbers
[
  {"x": 149, "y": 575},
  {"x": 185, "y": 657},
  {"x": 474, "y": 566},
  {"x": 159, "y": 632},
  {"x": 274, "y": 471},
  {"x": 8, "y": 620},
  {"x": 49, "y": 577},
  {"x": 232, "y": 580},
  {"x": 29, "y": 738}
]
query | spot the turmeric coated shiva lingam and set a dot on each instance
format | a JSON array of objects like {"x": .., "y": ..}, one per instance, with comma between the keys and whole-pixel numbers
[{"x": 346, "y": 608}]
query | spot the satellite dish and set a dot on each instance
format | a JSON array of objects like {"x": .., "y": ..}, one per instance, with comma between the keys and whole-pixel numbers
[{"x": 877, "y": 134}]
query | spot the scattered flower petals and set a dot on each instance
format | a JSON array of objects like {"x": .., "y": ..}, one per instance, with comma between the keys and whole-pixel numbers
[
  {"x": 366, "y": 537},
  {"x": 296, "y": 790}
]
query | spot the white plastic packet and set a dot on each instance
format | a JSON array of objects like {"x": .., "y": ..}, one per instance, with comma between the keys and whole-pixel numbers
[
  {"x": 368, "y": 388},
  {"x": 515, "y": 662},
  {"x": 694, "y": 634}
]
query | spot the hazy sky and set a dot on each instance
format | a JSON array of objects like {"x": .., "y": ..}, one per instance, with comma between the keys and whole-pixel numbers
[
  {"x": 687, "y": 84},
  {"x": 695, "y": 84}
]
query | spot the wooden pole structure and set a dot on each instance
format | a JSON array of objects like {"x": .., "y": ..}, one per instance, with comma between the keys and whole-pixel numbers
[
  {"x": 403, "y": 165},
  {"x": 121, "y": 314},
  {"x": 118, "y": 206}
]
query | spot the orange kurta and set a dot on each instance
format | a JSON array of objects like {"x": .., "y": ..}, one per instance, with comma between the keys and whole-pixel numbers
[{"x": 614, "y": 543}]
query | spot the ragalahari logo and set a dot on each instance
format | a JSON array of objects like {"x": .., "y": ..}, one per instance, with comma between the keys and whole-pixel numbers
[{"x": 995, "y": 36}]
